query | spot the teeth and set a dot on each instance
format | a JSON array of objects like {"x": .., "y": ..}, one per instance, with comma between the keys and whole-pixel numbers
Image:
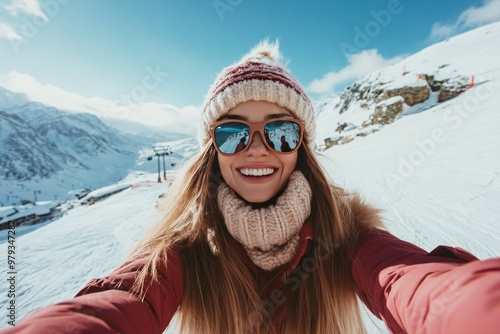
[{"x": 256, "y": 172}]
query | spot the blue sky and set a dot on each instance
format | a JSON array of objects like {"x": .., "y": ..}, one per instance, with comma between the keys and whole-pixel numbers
[{"x": 167, "y": 52}]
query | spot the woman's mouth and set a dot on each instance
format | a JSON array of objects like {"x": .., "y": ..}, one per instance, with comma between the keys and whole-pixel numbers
[{"x": 257, "y": 172}]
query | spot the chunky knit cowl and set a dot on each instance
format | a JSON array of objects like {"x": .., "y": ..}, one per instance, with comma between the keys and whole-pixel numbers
[{"x": 269, "y": 235}]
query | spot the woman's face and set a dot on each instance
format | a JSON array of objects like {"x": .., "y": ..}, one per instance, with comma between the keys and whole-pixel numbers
[{"x": 238, "y": 170}]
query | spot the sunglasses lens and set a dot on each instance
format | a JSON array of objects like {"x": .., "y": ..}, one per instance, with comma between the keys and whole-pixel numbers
[
  {"x": 282, "y": 136},
  {"x": 231, "y": 137}
]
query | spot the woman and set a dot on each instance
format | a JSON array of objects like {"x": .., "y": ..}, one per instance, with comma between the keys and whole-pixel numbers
[{"x": 256, "y": 240}]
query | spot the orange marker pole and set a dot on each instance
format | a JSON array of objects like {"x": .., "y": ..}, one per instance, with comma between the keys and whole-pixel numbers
[{"x": 471, "y": 82}]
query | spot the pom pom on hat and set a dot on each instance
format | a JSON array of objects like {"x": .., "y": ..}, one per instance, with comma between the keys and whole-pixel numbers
[
  {"x": 264, "y": 52},
  {"x": 259, "y": 76}
]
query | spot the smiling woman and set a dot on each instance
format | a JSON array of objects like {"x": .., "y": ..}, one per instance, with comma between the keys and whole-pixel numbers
[
  {"x": 257, "y": 172},
  {"x": 253, "y": 238}
]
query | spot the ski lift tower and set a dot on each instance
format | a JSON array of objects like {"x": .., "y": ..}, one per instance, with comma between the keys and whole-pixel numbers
[{"x": 162, "y": 151}]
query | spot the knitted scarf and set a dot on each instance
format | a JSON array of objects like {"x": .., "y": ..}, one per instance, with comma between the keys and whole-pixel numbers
[{"x": 269, "y": 235}]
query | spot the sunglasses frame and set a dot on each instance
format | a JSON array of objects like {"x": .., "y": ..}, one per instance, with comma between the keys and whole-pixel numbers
[{"x": 258, "y": 127}]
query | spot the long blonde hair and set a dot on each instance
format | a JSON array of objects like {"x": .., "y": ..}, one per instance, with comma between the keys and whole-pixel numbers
[{"x": 220, "y": 294}]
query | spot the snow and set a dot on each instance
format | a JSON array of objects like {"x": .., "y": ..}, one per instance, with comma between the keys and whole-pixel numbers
[
  {"x": 435, "y": 174},
  {"x": 474, "y": 53},
  {"x": 392, "y": 100},
  {"x": 55, "y": 260},
  {"x": 426, "y": 105},
  {"x": 408, "y": 80},
  {"x": 77, "y": 193},
  {"x": 107, "y": 190},
  {"x": 6, "y": 211},
  {"x": 39, "y": 210}
]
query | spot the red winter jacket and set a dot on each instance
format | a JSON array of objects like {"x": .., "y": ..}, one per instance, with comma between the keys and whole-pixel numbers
[{"x": 445, "y": 291}]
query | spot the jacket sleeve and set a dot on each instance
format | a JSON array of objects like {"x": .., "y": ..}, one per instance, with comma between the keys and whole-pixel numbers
[
  {"x": 445, "y": 291},
  {"x": 106, "y": 305}
]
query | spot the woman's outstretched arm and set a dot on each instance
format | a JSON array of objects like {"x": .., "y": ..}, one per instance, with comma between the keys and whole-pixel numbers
[
  {"x": 445, "y": 291},
  {"x": 106, "y": 305}
]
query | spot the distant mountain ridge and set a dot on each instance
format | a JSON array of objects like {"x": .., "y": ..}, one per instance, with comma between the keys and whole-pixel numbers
[
  {"x": 54, "y": 140},
  {"x": 23, "y": 153},
  {"x": 48, "y": 151},
  {"x": 10, "y": 99}
]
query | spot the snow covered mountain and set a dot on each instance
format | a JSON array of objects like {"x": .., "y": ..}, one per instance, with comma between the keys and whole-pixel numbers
[
  {"x": 430, "y": 77},
  {"x": 142, "y": 130},
  {"x": 24, "y": 152},
  {"x": 45, "y": 152},
  {"x": 10, "y": 99}
]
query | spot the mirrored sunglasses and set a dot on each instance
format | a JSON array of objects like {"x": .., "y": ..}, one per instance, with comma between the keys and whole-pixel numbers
[{"x": 281, "y": 135}]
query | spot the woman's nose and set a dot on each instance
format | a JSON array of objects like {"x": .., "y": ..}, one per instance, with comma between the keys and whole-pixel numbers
[{"x": 257, "y": 146}]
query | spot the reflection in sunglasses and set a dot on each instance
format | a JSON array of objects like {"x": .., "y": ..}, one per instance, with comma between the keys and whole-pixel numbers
[{"x": 233, "y": 137}]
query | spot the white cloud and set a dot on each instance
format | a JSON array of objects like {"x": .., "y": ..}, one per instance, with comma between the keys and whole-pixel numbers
[
  {"x": 31, "y": 7},
  {"x": 360, "y": 65},
  {"x": 441, "y": 31},
  {"x": 472, "y": 17},
  {"x": 489, "y": 12},
  {"x": 7, "y": 32},
  {"x": 164, "y": 117}
]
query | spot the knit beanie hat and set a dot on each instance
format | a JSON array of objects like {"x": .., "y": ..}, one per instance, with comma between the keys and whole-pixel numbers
[{"x": 258, "y": 76}]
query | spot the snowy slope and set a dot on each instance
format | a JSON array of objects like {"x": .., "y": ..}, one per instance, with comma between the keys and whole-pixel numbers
[
  {"x": 55, "y": 260},
  {"x": 474, "y": 53},
  {"x": 434, "y": 173},
  {"x": 438, "y": 171}
]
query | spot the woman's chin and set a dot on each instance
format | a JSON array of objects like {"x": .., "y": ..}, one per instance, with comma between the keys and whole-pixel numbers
[{"x": 257, "y": 199}]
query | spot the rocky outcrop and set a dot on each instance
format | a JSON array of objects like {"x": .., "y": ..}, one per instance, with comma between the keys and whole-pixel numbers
[
  {"x": 341, "y": 127},
  {"x": 329, "y": 142},
  {"x": 379, "y": 99},
  {"x": 351, "y": 94},
  {"x": 341, "y": 140},
  {"x": 452, "y": 87},
  {"x": 412, "y": 95},
  {"x": 448, "y": 88},
  {"x": 386, "y": 111},
  {"x": 433, "y": 84}
]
